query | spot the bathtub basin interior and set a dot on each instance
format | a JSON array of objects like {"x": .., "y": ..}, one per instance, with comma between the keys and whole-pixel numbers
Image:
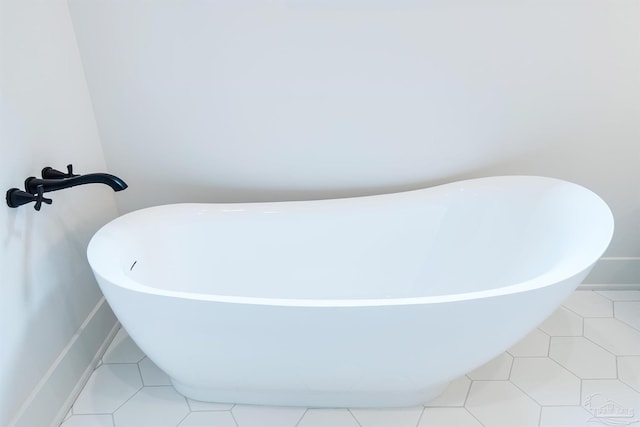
[{"x": 465, "y": 237}]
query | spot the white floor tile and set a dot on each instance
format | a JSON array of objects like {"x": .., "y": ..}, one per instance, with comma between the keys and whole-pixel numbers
[
  {"x": 589, "y": 304},
  {"x": 151, "y": 374},
  {"x": 197, "y": 405},
  {"x": 122, "y": 350},
  {"x": 448, "y": 417},
  {"x": 546, "y": 381},
  {"x": 108, "y": 387},
  {"x": 266, "y": 416},
  {"x": 621, "y": 295},
  {"x": 608, "y": 400},
  {"x": 454, "y": 395},
  {"x": 629, "y": 371},
  {"x": 328, "y": 417},
  {"x": 496, "y": 369},
  {"x": 501, "y": 404},
  {"x": 88, "y": 421},
  {"x": 564, "y": 416},
  {"x": 152, "y": 407},
  {"x": 628, "y": 312},
  {"x": 208, "y": 419},
  {"x": 535, "y": 344},
  {"x": 582, "y": 357},
  {"x": 614, "y": 336},
  {"x": 562, "y": 323},
  {"x": 401, "y": 417}
]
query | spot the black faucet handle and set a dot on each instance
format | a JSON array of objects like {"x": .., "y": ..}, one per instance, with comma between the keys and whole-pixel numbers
[
  {"x": 16, "y": 197},
  {"x": 51, "y": 173},
  {"x": 39, "y": 198}
]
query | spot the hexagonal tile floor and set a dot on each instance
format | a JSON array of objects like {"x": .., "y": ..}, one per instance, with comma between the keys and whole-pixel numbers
[{"x": 580, "y": 367}]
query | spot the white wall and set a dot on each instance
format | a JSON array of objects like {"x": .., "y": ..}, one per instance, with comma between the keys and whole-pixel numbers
[
  {"x": 281, "y": 99},
  {"x": 46, "y": 119}
]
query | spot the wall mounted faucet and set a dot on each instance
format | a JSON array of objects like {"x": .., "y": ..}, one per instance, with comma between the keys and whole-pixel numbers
[{"x": 54, "y": 180}]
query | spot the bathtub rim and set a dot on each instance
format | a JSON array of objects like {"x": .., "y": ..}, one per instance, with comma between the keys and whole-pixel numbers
[
  {"x": 559, "y": 273},
  {"x": 539, "y": 282}
]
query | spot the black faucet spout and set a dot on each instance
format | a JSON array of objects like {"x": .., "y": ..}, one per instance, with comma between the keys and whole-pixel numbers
[
  {"x": 54, "y": 180},
  {"x": 32, "y": 183}
]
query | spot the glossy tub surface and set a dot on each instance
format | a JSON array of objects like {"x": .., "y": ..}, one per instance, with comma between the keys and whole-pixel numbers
[{"x": 374, "y": 301}]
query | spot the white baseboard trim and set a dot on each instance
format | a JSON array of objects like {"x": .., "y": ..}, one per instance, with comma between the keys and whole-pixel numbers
[
  {"x": 51, "y": 399},
  {"x": 609, "y": 287},
  {"x": 614, "y": 273}
]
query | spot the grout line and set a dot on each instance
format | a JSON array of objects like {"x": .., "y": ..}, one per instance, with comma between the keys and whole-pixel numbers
[
  {"x": 559, "y": 406},
  {"x": 513, "y": 359},
  {"x": 528, "y": 356},
  {"x": 125, "y": 402},
  {"x": 426, "y": 405},
  {"x": 234, "y": 417},
  {"x": 186, "y": 401},
  {"x": 590, "y": 340},
  {"x": 540, "y": 415},
  {"x": 628, "y": 324},
  {"x": 466, "y": 396},
  {"x": 93, "y": 413},
  {"x": 189, "y": 406},
  {"x": 302, "y": 416},
  {"x": 354, "y": 417},
  {"x": 183, "y": 418},
  {"x": 169, "y": 385},
  {"x": 581, "y": 382},
  {"x": 561, "y": 336},
  {"x": 574, "y": 312},
  {"x": 603, "y": 296},
  {"x": 122, "y": 363},
  {"x": 420, "y": 417},
  {"x": 578, "y": 376},
  {"x": 473, "y": 415},
  {"x": 527, "y": 394},
  {"x": 610, "y": 298},
  {"x": 140, "y": 371},
  {"x": 613, "y": 308}
]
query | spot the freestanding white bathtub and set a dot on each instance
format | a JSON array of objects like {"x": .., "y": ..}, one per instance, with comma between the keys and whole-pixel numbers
[{"x": 373, "y": 301}]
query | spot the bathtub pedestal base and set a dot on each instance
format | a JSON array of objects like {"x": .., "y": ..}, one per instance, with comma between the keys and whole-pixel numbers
[{"x": 321, "y": 399}]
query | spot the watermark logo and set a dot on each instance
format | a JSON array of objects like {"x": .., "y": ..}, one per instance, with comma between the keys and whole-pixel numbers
[{"x": 609, "y": 412}]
